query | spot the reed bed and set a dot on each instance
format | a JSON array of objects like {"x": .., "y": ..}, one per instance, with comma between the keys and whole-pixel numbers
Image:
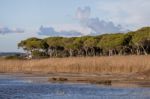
[{"x": 104, "y": 64}]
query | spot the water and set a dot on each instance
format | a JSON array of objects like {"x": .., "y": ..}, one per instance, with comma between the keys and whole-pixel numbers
[{"x": 22, "y": 89}]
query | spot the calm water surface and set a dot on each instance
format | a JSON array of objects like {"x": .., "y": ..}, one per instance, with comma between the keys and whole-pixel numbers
[{"x": 23, "y": 89}]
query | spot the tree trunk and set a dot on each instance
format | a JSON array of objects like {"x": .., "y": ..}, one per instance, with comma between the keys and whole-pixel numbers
[
  {"x": 86, "y": 51},
  {"x": 93, "y": 51},
  {"x": 145, "y": 53},
  {"x": 138, "y": 51},
  {"x": 70, "y": 53},
  {"x": 110, "y": 52}
]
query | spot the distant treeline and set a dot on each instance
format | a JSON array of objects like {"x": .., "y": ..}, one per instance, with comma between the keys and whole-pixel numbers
[
  {"x": 134, "y": 42},
  {"x": 3, "y": 54}
]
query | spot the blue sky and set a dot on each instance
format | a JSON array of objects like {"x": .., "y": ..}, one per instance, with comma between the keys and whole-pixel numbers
[
  {"x": 33, "y": 13},
  {"x": 20, "y": 19}
]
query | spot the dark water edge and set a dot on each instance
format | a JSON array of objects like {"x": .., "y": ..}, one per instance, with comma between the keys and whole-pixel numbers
[{"x": 13, "y": 88}]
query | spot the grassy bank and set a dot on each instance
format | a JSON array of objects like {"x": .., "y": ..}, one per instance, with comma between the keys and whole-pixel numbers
[{"x": 113, "y": 64}]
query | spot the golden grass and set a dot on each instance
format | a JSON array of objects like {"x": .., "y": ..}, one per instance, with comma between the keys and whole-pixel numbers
[{"x": 113, "y": 64}]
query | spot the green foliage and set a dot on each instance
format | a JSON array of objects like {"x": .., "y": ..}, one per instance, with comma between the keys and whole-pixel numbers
[
  {"x": 67, "y": 43},
  {"x": 33, "y": 43},
  {"x": 111, "y": 41},
  {"x": 91, "y": 42},
  {"x": 54, "y": 41},
  {"x": 141, "y": 34},
  {"x": 15, "y": 57},
  {"x": 39, "y": 54},
  {"x": 127, "y": 40}
]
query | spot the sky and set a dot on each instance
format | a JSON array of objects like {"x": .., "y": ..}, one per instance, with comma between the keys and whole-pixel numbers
[{"x": 21, "y": 19}]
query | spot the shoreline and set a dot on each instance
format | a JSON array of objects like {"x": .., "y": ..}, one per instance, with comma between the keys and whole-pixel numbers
[{"x": 114, "y": 80}]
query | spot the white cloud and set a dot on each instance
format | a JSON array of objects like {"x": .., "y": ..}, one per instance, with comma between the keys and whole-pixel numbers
[
  {"x": 83, "y": 13},
  {"x": 72, "y": 27},
  {"x": 50, "y": 31},
  {"x": 95, "y": 24},
  {"x": 134, "y": 13},
  {"x": 6, "y": 30}
]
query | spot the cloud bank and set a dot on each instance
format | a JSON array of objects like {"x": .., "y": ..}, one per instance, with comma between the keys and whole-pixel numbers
[
  {"x": 50, "y": 31},
  {"x": 6, "y": 30},
  {"x": 95, "y": 24},
  {"x": 133, "y": 13}
]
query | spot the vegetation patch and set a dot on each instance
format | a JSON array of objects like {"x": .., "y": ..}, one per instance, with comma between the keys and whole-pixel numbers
[
  {"x": 104, "y": 82},
  {"x": 131, "y": 43},
  {"x": 80, "y": 80},
  {"x": 58, "y": 79},
  {"x": 16, "y": 57}
]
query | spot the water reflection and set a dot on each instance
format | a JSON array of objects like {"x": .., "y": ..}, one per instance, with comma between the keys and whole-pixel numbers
[{"x": 21, "y": 89}]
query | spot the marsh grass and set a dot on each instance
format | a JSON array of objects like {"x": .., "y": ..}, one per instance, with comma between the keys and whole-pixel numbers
[{"x": 104, "y": 64}]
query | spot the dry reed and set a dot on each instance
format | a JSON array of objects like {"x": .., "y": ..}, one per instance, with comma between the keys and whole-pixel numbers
[{"x": 113, "y": 64}]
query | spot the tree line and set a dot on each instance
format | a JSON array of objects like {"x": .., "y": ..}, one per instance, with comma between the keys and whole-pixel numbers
[{"x": 130, "y": 43}]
